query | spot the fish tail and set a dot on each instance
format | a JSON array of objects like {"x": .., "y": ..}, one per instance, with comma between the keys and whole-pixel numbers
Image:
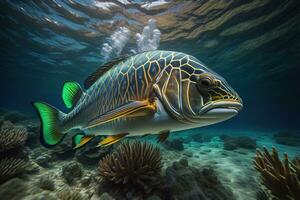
[{"x": 51, "y": 124}]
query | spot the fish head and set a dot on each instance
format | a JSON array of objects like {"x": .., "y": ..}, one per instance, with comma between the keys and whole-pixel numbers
[{"x": 194, "y": 94}]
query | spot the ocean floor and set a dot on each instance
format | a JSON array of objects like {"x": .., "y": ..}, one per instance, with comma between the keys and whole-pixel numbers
[
  {"x": 61, "y": 172},
  {"x": 234, "y": 167}
]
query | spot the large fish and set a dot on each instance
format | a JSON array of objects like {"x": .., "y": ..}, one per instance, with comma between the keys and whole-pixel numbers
[{"x": 153, "y": 92}]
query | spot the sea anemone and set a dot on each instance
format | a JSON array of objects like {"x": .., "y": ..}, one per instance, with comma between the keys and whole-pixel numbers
[
  {"x": 11, "y": 136},
  {"x": 133, "y": 165},
  {"x": 10, "y": 167},
  {"x": 281, "y": 178}
]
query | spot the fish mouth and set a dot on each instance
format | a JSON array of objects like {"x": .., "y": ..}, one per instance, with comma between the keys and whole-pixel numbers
[{"x": 222, "y": 107}]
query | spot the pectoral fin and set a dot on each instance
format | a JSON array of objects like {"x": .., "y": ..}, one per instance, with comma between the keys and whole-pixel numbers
[
  {"x": 132, "y": 109},
  {"x": 111, "y": 140},
  {"x": 163, "y": 136},
  {"x": 80, "y": 139}
]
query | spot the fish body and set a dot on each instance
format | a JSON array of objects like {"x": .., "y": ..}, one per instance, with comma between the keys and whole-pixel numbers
[{"x": 142, "y": 94}]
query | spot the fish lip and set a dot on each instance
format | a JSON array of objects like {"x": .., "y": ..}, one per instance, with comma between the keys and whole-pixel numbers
[{"x": 229, "y": 104}]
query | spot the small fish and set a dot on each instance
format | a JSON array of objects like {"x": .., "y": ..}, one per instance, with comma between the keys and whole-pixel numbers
[{"x": 154, "y": 92}]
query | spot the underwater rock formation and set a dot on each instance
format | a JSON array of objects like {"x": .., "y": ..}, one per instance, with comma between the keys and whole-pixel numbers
[
  {"x": 13, "y": 189},
  {"x": 280, "y": 177},
  {"x": 45, "y": 182},
  {"x": 14, "y": 116},
  {"x": 175, "y": 144},
  {"x": 72, "y": 171},
  {"x": 232, "y": 143},
  {"x": 196, "y": 137},
  {"x": 63, "y": 151},
  {"x": 33, "y": 130},
  {"x": 287, "y": 138},
  {"x": 187, "y": 182},
  {"x": 134, "y": 167}
]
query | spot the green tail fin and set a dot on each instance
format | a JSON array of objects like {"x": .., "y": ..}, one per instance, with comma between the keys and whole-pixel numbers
[
  {"x": 71, "y": 93},
  {"x": 51, "y": 131}
]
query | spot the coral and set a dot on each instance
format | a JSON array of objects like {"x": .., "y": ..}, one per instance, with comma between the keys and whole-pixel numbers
[
  {"x": 287, "y": 138},
  {"x": 10, "y": 167},
  {"x": 231, "y": 143},
  {"x": 133, "y": 166},
  {"x": 186, "y": 182},
  {"x": 280, "y": 177},
  {"x": 67, "y": 194},
  {"x": 175, "y": 144},
  {"x": 72, "y": 171},
  {"x": 46, "y": 183},
  {"x": 11, "y": 136}
]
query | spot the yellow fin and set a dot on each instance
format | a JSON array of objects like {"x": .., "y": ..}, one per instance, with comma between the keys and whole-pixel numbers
[
  {"x": 133, "y": 109},
  {"x": 163, "y": 136},
  {"x": 79, "y": 140},
  {"x": 111, "y": 140}
]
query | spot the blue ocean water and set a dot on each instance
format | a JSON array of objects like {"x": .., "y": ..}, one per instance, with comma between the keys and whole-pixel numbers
[
  {"x": 46, "y": 43},
  {"x": 254, "y": 45}
]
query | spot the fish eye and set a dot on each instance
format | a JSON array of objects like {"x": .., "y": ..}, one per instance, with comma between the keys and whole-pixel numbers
[{"x": 206, "y": 82}]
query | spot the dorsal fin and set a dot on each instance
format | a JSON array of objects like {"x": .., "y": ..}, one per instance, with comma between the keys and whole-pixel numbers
[
  {"x": 71, "y": 93},
  {"x": 91, "y": 79}
]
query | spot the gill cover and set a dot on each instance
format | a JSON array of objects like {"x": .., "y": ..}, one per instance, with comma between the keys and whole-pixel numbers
[{"x": 178, "y": 94}]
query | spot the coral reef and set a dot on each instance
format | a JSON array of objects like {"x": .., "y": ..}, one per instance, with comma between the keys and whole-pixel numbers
[
  {"x": 11, "y": 136},
  {"x": 72, "y": 171},
  {"x": 175, "y": 144},
  {"x": 133, "y": 167},
  {"x": 287, "y": 138},
  {"x": 232, "y": 143},
  {"x": 10, "y": 167},
  {"x": 280, "y": 177},
  {"x": 13, "y": 160},
  {"x": 186, "y": 182}
]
